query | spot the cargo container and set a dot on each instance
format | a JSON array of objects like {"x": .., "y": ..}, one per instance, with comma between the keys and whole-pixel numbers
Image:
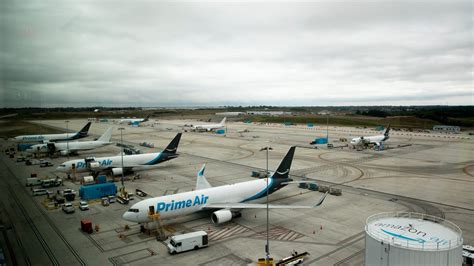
[
  {"x": 220, "y": 131},
  {"x": 97, "y": 191},
  {"x": 86, "y": 226},
  {"x": 313, "y": 186},
  {"x": 23, "y": 146},
  {"x": 101, "y": 179},
  {"x": 320, "y": 141}
]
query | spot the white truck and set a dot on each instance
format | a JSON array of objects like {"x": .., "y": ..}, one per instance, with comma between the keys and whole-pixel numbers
[{"x": 189, "y": 241}]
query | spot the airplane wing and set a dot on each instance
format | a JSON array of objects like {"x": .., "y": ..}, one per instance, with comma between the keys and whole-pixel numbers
[{"x": 241, "y": 205}]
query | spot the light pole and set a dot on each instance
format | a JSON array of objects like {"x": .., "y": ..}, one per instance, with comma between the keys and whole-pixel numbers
[
  {"x": 327, "y": 127},
  {"x": 267, "y": 246},
  {"x": 67, "y": 138},
  {"x": 121, "y": 144}
]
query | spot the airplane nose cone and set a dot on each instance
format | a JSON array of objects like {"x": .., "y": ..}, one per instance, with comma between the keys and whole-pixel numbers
[{"x": 128, "y": 217}]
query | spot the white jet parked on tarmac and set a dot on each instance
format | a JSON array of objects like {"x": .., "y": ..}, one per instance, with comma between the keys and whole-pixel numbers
[
  {"x": 227, "y": 200},
  {"x": 134, "y": 121},
  {"x": 131, "y": 163},
  {"x": 65, "y": 148},
  {"x": 84, "y": 132},
  {"x": 210, "y": 127},
  {"x": 377, "y": 140}
]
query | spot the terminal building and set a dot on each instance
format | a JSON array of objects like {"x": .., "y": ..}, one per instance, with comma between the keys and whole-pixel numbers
[
  {"x": 443, "y": 128},
  {"x": 404, "y": 238}
]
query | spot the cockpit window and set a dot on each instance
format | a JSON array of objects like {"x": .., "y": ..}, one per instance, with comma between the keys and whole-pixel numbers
[
  {"x": 62, "y": 165},
  {"x": 133, "y": 210}
]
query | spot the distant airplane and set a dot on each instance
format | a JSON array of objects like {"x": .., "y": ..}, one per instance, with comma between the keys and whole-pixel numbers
[
  {"x": 84, "y": 132},
  {"x": 377, "y": 140},
  {"x": 134, "y": 121},
  {"x": 65, "y": 148},
  {"x": 210, "y": 127},
  {"x": 131, "y": 163},
  {"x": 227, "y": 200}
]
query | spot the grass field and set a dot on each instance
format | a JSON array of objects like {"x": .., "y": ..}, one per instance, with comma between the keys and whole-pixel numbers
[{"x": 12, "y": 128}]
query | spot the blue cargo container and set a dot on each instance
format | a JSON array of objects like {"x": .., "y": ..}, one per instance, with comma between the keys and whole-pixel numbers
[
  {"x": 101, "y": 179},
  {"x": 97, "y": 191},
  {"x": 313, "y": 186},
  {"x": 220, "y": 131},
  {"x": 248, "y": 122},
  {"x": 310, "y": 125},
  {"x": 321, "y": 141},
  {"x": 380, "y": 128},
  {"x": 23, "y": 146}
]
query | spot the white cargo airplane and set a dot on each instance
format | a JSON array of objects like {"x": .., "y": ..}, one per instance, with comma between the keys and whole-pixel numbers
[
  {"x": 134, "y": 121},
  {"x": 65, "y": 148},
  {"x": 55, "y": 137},
  {"x": 377, "y": 140},
  {"x": 227, "y": 200},
  {"x": 210, "y": 127},
  {"x": 131, "y": 163}
]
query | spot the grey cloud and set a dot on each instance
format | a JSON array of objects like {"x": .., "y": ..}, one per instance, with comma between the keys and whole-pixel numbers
[{"x": 169, "y": 54}]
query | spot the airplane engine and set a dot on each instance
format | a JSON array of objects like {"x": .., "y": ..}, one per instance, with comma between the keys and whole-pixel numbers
[
  {"x": 94, "y": 165},
  {"x": 117, "y": 171},
  {"x": 223, "y": 216}
]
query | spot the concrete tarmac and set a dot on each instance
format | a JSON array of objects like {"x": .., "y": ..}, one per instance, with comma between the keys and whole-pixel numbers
[{"x": 433, "y": 173}]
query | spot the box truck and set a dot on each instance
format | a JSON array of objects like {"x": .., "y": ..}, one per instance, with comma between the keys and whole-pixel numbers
[{"x": 189, "y": 241}]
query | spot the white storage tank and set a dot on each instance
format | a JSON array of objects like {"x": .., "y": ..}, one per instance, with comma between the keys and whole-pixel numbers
[{"x": 405, "y": 238}]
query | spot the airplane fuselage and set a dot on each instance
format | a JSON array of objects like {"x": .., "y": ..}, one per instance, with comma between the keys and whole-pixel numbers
[
  {"x": 208, "y": 127},
  {"x": 371, "y": 139},
  {"x": 46, "y": 137},
  {"x": 134, "y": 162},
  {"x": 131, "y": 120},
  {"x": 71, "y": 146},
  {"x": 171, "y": 206}
]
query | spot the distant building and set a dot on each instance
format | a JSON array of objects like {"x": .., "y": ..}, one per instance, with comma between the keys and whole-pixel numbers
[
  {"x": 324, "y": 112},
  {"x": 230, "y": 113},
  {"x": 269, "y": 113},
  {"x": 443, "y": 128}
]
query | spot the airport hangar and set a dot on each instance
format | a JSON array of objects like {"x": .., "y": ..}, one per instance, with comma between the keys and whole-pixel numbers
[{"x": 432, "y": 175}]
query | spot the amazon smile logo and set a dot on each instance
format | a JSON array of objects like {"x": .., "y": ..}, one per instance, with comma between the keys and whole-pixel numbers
[{"x": 284, "y": 173}]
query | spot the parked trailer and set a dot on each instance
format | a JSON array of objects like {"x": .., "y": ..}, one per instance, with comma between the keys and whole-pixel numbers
[
  {"x": 33, "y": 181},
  {"x": 186, "y": 242},
  {"x": 97, "y": 191}
]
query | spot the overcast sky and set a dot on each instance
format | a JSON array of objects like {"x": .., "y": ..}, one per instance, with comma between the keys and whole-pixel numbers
[{"x": 149, "y": 53}]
